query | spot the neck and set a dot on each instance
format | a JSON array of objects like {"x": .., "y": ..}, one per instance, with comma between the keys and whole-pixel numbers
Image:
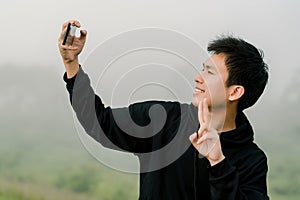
[{"x": 223, "y": 119}]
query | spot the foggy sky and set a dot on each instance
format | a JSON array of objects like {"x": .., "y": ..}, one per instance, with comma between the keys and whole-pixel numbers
[{"x": 29, "y": 29}]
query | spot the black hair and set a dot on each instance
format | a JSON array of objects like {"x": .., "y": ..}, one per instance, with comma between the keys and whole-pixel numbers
[{"x": 245, "y": 67}]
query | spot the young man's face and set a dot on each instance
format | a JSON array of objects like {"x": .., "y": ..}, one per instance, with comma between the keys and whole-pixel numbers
[{"x": 210, "y": 83}]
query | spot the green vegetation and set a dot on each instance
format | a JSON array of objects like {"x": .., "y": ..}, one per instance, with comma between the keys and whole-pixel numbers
[
  {"x": 15, "y": 190},
  {"x": 86, "y": 181}
]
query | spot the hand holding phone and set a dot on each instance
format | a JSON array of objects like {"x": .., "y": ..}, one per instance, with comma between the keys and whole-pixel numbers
[{"x": 69, "y": 35}]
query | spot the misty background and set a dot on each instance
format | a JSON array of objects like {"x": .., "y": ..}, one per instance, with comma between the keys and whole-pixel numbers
[{"x": 41, "y": 154}]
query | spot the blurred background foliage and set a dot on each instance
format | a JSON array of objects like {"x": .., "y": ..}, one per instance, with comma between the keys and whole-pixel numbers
[{"x": 42, "y": 158}]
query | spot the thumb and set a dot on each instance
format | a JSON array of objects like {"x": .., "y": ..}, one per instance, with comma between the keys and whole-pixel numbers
[{"x": 193, "y": 137}]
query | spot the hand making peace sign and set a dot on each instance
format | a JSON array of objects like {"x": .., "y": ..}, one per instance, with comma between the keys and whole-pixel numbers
[{"x": 207, "y": 140}]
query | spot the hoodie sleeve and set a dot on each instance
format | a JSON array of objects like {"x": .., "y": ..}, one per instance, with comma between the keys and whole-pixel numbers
[
  {"x": 246, "y": 180},
  {"x": 125, "y": 129}
]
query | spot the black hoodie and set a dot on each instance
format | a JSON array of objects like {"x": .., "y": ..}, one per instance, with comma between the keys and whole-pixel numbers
[{"x": 176, "y": 172}]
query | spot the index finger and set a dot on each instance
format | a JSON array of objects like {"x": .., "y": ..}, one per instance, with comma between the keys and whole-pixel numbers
[
  {"x": 73, "y": 22},
  {"x": 200, "y": 113},
  {"x": 205, "y": 112}
]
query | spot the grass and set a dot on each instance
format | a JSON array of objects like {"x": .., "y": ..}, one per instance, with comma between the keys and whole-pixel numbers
[
  {"x": 61, "y": 174},
  {"x": 12, "y": 190}
]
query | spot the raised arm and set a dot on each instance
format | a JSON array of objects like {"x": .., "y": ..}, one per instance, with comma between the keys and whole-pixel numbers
[
  {"x": 97, "y": 120},
  {"x": 129, "y": 129},
  {"x": 69, "y": 53}
]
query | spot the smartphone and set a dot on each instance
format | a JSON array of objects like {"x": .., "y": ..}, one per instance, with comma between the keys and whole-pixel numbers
[{"x": 69, "y": 35}]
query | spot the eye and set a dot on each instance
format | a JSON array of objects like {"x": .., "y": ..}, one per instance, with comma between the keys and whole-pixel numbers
[{"x": 210, "y": 72}]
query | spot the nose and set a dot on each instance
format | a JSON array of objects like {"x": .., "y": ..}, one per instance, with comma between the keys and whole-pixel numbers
[{"x": 199, "y": 79}]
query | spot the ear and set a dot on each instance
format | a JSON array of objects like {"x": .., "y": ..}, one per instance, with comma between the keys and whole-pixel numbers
[{"x": 235, "y": 92}]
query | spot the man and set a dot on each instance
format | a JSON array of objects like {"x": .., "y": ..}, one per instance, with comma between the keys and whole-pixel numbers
[{"x": 223, "y": 162}]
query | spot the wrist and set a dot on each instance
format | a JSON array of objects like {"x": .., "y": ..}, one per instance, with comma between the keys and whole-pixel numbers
[
  {"x": 71, "y": 68},
  {"x": 216, "y": 161}
]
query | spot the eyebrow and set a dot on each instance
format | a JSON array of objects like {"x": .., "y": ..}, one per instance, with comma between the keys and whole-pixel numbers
[{"x": 208, "y": 66}]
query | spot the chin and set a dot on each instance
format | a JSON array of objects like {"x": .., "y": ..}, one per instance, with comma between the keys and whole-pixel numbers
[{"x": 195, "y": 102}]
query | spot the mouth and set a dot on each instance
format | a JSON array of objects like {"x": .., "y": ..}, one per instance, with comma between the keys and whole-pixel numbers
[{"x": 199, "y": 90}]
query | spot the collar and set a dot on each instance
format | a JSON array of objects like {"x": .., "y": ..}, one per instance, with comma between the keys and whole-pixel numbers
[{"x": 239, "y": 137}]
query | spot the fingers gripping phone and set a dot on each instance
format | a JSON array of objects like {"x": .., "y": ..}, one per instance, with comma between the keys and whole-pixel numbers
[{"x": 69, "y": 35}]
